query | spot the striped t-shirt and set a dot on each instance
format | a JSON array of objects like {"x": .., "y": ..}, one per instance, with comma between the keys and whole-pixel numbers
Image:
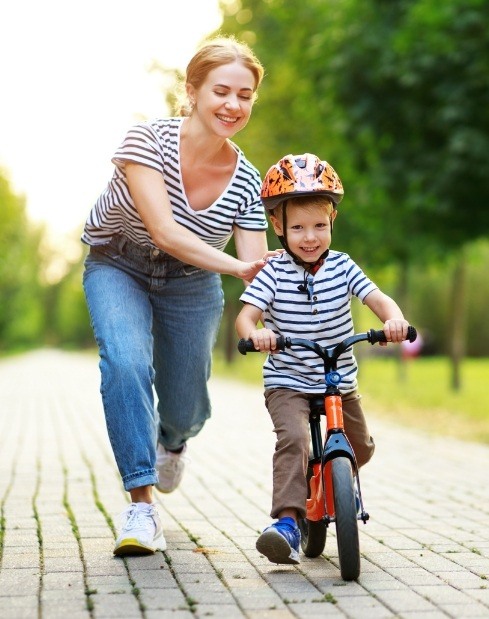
[
  {"x": 323, "y": 316},
  {"x": 157, "y": 144}
]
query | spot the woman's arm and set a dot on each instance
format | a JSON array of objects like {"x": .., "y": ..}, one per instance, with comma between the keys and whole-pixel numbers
[
  {"x": 250, "y": 244},
  {"x": 150, "y": 196}
]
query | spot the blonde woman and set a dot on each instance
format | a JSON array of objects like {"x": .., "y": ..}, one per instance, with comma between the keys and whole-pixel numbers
[{"x": 180, "y": 189}]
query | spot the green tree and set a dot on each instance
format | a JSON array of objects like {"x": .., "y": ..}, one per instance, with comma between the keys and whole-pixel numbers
[
  {"x": 294, "y": 112},
  {"x": 422, "y": 104},
  {"x": 21, "y": 305},
  {"x": 69, "y": 324},
  {"x": 396, "y": 94}
]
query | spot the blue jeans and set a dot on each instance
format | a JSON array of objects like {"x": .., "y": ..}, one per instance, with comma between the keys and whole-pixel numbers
[{"x": 155, "y": 320}]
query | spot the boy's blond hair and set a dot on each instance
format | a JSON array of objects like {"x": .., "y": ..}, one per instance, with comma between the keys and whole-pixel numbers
[{"x": 304, "y": 202}]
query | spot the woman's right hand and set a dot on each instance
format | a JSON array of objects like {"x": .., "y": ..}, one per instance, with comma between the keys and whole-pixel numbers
[{"x": 248, "y": 270}]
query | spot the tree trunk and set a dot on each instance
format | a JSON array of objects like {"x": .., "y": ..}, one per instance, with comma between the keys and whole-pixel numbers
[
  {"x": 457, "y": 322},
  {"x": 402, "y": 299},
  {"x": 231, "y": 309}
]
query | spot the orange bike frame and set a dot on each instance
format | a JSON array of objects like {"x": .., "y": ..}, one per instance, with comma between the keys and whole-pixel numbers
[{"x": 320, "y": 502}]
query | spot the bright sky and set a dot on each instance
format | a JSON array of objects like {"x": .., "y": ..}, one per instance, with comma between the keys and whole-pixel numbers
[{"x": 74, "y": 77}]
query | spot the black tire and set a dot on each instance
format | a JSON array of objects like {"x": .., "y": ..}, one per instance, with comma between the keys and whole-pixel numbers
[
  {"x": 313, "y": 537},
  {"x": 346, "y": 519}
]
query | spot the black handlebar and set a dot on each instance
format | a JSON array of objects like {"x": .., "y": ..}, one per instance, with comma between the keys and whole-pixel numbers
[
  {"x": 379, "y": 336},
  {"x": 373, "y": 336},
  {"x": 245, "y": 346}
]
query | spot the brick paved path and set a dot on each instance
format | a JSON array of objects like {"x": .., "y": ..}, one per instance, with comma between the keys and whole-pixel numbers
[{"x": 425, "y": 551}]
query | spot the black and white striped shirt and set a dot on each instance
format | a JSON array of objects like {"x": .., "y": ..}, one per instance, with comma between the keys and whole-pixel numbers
[
  {"x": 156, "y": 144},
  {"x": 323, "y": 316}
]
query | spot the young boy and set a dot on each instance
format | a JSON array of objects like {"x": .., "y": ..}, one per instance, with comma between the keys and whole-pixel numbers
[{"x": 306, "y": 292}]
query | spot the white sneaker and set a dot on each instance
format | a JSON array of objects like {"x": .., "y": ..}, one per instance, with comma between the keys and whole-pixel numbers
[
  {"x": 141, "y": 532},
  {"x": 170, "y": 467}
]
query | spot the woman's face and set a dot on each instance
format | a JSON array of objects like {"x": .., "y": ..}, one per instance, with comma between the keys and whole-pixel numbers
[{"x": 224, "y": 101}]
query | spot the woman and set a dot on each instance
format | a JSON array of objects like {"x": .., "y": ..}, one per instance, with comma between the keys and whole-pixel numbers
[{"x": 180, "y": 189}]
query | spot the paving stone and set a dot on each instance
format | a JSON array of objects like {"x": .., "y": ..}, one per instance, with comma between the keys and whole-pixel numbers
[
  {"x": 425, "y": 550},
  {"x": 164, "y": 599},
  {"x": 120, "y": 605}
]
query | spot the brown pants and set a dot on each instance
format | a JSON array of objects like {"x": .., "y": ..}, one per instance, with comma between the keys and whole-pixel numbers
[{"x": 289, "y": 411}]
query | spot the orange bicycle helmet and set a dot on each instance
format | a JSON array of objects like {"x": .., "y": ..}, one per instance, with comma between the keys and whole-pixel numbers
[{"x": 300, "y": 175}]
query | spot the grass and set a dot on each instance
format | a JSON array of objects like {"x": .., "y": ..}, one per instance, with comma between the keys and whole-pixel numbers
[
  {"x": 425, "y": 399},
  {"x": 419, "y": 397}
]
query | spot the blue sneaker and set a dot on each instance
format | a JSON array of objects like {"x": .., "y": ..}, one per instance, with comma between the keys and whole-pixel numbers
[{"x": 279, "y": 542}]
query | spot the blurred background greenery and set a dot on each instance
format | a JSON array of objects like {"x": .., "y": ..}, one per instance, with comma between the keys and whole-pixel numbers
[{"x": 395, "y": 95}]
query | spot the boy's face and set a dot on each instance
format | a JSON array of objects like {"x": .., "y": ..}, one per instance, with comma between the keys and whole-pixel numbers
[{"x": 308, "y": 230}]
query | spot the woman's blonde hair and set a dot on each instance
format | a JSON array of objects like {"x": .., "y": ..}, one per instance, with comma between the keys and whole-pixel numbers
[{"x": 214, "y": 53}]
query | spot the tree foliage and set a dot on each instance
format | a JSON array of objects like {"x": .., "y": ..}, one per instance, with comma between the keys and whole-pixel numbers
[
  {"x": 395, "y": 95},
  {"x": 21, "y": 307},
  {"x": 412, "y": 77},
  {"x": 33, "y": 311}
]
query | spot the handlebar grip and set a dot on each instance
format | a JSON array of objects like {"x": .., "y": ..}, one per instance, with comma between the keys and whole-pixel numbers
[
  {"x": 379, "y": 336},
  {"x": 245, "y": 346},
  {"x": 376, "y": 336},
  {"x": 412, "y": 334}
]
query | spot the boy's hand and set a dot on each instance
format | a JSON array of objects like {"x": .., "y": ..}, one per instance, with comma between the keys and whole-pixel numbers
[
  {"x": 395, "y": 330},
  {"x": 264, "y": 340}
]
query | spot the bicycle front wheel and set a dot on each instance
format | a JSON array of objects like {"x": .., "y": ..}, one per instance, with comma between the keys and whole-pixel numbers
[{"x": 346, "y": 519}]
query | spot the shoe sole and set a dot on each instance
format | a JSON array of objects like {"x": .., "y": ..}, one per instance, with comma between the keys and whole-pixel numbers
[
  {"x": 276, "y": 548},
  {"x": 132, "y": 546},
  {"x": 165, "y": 490}
]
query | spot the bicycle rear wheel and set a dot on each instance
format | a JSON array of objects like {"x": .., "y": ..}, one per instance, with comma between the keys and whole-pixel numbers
[
  {"x": 346, "y": 519},
  {"x": 313, "y": 537},
  {"x": 313, "y": 532}
]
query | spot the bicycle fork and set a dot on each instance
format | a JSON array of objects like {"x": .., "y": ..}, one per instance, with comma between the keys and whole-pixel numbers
[{"x": 320, "y": 502}]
